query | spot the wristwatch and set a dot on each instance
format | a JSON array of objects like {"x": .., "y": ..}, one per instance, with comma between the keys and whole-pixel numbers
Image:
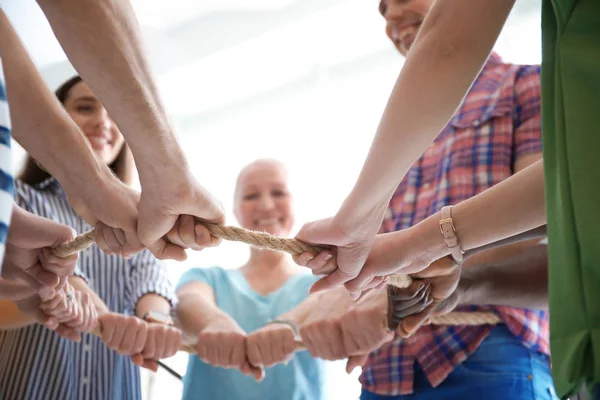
[
  {"x": 158, "y": 317},
  {"x": 449, "y": 233}
]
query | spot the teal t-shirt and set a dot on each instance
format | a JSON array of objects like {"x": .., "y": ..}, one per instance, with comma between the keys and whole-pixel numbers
[{"x": 301, "y": 379}]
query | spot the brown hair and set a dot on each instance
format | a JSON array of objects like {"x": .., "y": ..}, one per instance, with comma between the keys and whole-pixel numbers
[{"x": 123, "y": 166}]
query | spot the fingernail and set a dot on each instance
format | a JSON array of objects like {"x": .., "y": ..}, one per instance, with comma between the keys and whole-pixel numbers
[
  {"x": 308, "y": 259},
  {"x": 328, "y": 257}
]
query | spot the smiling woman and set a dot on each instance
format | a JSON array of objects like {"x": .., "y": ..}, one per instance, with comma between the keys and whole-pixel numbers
[
  {"x": 219, "y": 307},
  {"x": 108, "y": 143}
]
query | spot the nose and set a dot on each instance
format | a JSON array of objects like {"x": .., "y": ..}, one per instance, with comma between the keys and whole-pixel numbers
[
  {"x": 266, "y": 202},
  {"x": 102, "y": 120}
]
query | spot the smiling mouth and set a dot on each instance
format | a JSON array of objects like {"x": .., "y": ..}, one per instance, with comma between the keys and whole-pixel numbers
[{"x": 266, "y": 221}]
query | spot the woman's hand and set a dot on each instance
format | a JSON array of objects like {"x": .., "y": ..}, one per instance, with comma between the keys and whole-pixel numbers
[{"x": 271, "y": 344}]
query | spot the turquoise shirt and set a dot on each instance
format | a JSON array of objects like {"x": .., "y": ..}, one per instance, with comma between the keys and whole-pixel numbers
[{"x": 301, "y": 379}]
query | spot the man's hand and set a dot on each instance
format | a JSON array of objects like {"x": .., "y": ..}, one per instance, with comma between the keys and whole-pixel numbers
[
  {"x": 170, "y": 206},
  {"x": 344, "y": 328},
  {"x": 222, "y": 343},
  {"x": 28, "y": 257},
  {"x": 441, "y": 278},
  {"x": 162, "y": 341}
]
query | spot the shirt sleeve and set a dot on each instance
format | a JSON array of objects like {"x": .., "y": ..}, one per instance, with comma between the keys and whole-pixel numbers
[
  {"x": 527, "y": 112},
  {"x": 35, "y": 202},
  {"x": 205, "y": 275},
  {"x": 148, "y": 275}
]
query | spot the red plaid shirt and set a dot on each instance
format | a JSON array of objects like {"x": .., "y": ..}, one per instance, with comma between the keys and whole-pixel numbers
[{"x": 498, "y": 122}]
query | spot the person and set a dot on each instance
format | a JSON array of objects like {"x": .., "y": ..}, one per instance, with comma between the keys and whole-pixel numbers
[
  {"x": 238, "y": 316},
  {"x": 494, "y": 133},
  {"x": 129, "y": 295},
  {"x": 125, "y": 84},
  {"x": 441, "y": 67}
]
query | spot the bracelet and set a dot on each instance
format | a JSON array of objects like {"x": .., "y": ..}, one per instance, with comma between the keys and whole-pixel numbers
[
  {"x": 449, "y": 233},
  {"x": 285, "y": 322}
]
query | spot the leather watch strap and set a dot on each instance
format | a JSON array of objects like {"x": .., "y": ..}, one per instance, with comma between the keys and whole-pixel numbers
[{"x": 449, "y": 233}]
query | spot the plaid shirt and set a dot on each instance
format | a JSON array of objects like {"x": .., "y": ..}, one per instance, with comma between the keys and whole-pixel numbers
[{"x": 498, "y": 122}]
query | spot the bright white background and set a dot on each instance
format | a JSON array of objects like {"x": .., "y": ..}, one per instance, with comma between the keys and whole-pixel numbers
[{"x": 303, "y": 81}]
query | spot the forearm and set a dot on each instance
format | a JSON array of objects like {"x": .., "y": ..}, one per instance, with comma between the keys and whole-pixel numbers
[
  {"x": 451, "y": 48},
  {"x": 39, "y": 123},
  {"x": 518, "y": 281},
  {"x": 11, "y": 317},
  {"x": 514, "y": 206},
  {"x": 124, "y": 82},
  {"x": 195, "y": 311},
  {"x": 152, "y": 302}
]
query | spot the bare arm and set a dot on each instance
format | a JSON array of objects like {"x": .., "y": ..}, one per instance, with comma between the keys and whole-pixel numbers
[
  {"x": 34, "y": 108},
  {"x": 517, "y": 281},
  {"x": 451, "y": 48},
  {"x": 125, "y": 83},
  {"x": 197, "y": 307}
]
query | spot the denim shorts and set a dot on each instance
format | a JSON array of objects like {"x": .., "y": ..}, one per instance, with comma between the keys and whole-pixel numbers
[{"x": 500, "y": 369}]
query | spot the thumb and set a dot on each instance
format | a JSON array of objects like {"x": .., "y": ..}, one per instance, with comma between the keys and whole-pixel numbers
[
  {"x": 317, "y": 232},
  {"x": 152, "y": 228},
  {"x": 355, "y": 361}
]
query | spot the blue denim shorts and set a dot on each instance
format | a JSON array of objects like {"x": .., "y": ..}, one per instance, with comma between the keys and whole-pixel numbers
[{"x": 500, "y": 369}]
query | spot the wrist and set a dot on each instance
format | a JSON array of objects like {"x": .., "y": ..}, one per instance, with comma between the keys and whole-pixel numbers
[{"x": 428, "y": 239}]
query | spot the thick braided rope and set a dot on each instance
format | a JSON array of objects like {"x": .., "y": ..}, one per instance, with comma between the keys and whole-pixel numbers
[{"x": 292, "y": 246}]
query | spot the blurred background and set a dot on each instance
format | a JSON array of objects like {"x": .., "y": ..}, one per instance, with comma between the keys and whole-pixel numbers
[{"x": 303, "y": 81}]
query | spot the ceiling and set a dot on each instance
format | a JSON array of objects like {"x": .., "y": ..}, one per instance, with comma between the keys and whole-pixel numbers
[{"x": 210, "y": 53}]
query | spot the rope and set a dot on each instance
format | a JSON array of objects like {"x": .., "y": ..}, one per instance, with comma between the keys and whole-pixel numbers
[{"x": 292, "y": 246}]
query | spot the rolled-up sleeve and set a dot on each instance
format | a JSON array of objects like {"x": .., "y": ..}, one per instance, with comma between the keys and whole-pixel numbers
[{"x": 148, "y": 275}]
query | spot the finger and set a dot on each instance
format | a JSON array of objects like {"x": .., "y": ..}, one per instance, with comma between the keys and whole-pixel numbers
[
  {"x": 365, "y": 276},
  {"x": 355, "y": 361},
  {"x": 106, "y": 239},
  {"x": 412, "y": 323},
  {"x": 120, "y": 331},
  {"x": 238, "y": 355},
  {"x": 173, "y": 343},
  {"x": 255, "y": 353},
  {"x": 160, "y": 337},
  {"x": 164, "y": 250},
  {"x": 62, "y": 266},
  {"x": 173, "y": 235},
  {"x": 68, "y": 333},
  {"x": 149, "y": 350},
  {"x": 204, "y": 238},
  {"x": 257, "y": 372},
  {"x": 41, "y": 275},
  {"x": 337, "y": 278},
  {"x": 139, "y": 341},
  {"x": 152, "y": 365},
  {"x": 187, "y": 233},
  {"x": 108, "y": 328},
  {"x": 323, "y": 262}
]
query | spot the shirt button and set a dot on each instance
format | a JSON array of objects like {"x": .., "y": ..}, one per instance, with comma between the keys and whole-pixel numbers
[
  {"x": 87, "y": 347},
  {"x": 85, "y": 381},
  {"x": 476, "y": 122}
]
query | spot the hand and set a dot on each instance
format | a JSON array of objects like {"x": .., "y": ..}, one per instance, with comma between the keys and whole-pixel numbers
[
  {"x": 124, "y": 334},
  {"x": 111, "y": 207},
  {"x": 271, "y": 344},
  {"x": 352, "y": 250},
  {"x": 164, "y": 203},
  {"x": 31, "y": 306},
  {"x": 347, "y": 327},
  {"x": 441, "y": 278},
  {"x": 162, "y": 341},
  {"x": 222, "y": 343},
  {"x": 72, "y": 308},
  {"x": 28, "y": 257},
  {"x": 397, "y": 252}
]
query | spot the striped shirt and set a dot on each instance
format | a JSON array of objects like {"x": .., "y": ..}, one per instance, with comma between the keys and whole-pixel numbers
[
  {"x": 35, "y": 363},
  {"x": 498, "y": 122},
  {"x": 6, "y": 177}
]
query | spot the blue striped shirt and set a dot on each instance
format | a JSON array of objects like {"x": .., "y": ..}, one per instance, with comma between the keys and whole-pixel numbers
[
  {"x": 6, "y": 176},
  {"x": 35, "y": 363}
]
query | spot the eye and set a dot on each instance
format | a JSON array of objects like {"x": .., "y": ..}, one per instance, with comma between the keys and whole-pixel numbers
[
  {"x": 382, "y": 7},
  {"x": 84, "y": 109},
  {"x": 278, "y": 193},
  {"x": 251, "y": 196}
]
